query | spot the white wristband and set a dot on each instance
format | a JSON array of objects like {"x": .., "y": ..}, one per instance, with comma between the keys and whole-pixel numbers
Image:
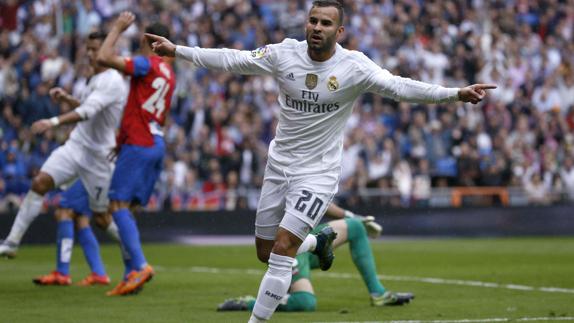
[
  {"x": 54, "y": 121},
  {"x": 349, "y": 214}
]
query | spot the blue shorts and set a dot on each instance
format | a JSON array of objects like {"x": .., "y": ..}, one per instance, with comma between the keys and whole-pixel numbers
[
  {"x": 76, "y": 198},
  {"x": 137, "y": 170}
]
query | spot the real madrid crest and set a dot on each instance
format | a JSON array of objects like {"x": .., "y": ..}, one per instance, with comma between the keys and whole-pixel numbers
[
  {"x": 332, "y": 84},
  {"x": 311, "y": 81}
]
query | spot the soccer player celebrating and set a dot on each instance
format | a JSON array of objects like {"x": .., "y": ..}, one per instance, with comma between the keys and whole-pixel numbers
[
  {"x": 301, "y": 297},
  {"x": 74, "y": 209},
  {"x": 140, "y": 143},
  {"x": 318, "y": 82},
  {"x": 85, "y": 153}
]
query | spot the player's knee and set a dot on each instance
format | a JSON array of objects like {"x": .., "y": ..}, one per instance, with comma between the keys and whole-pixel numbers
[
  {"x": 118, "y": 205},
  {"x": 263, "y": 256},
  {"x": 64, "y": 214},
  {"x": 355, "y": 228},
  {"x": 82, "y": 222},
  {"x": 285, "y": 245},
  {"x": 42, "y": 183},
  {"x": 311, "y": 303},
  {"x": 102, "y": 220},
  {"x": 303, "y": 302}
]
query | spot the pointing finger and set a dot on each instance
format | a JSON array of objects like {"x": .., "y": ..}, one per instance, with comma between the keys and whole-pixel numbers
[
  {"x": 485, "y": 86},
  {"x": 153, "y": 37}
]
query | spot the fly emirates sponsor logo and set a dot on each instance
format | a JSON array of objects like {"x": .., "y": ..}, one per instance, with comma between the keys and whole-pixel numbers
[{"x": 308, "y": 103}]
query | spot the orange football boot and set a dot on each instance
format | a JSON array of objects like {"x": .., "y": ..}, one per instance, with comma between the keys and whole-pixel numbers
[
  {"x": 136, "y": 280},
  {"x": 54, "y": 278},
  {"x": 117, "y": 289},
  {"x": 94, "y": 279}
]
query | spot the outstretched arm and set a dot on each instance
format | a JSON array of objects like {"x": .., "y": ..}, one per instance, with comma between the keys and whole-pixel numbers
[
  {"x": 382, "y": 82},
  {"x": 43, "y": 125},
  {"x": 106, "y": 55},
  {"x": 474, "y": 93},
  {"x": 257, "y": 62}
]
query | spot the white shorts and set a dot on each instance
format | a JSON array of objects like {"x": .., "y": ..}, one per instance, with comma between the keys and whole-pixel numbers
[
  {"x": 295, "y": 203},
  {"x": 72, "y": 160}
]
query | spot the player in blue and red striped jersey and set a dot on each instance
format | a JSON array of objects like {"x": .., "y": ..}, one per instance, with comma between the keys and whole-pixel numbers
[{"x": 141, "y": 147}]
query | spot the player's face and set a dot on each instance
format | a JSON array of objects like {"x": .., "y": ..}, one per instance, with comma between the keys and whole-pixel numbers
[
  {"x": 322, "y": 28},
  {"x": 92, "y": 49}
]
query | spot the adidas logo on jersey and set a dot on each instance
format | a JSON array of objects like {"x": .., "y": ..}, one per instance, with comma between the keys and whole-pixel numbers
[{"x": 290, "y": 76}]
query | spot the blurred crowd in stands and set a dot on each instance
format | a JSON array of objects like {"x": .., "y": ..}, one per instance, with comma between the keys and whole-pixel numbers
[{"x": 395, "y": 153}]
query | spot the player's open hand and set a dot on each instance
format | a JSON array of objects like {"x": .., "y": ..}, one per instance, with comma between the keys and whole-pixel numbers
[
  {"x": 374, "y": 230},
  {"x": 41, "y": 126},
  {"x": 58, "y": 94},
  {"x": 474, "y": 93},
  {"x": 125, "y": 19},
  {"x": 161, "y": 45}
]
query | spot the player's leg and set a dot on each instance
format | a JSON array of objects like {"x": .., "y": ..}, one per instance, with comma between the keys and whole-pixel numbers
[
  {"x": 65, "y": 243},
  {"x": 270, "y": 210},
  {"x": 305, "y": 203},
  {"x": 105, "y": 221},
  {"x": 137, "y": 168},
  {"x": 374, "y": 229},
  {"x": 73, "y": 201},
  {"x": 129, "y": 233},
  {"x": 29, "y": 210},
  {"x": 301, "y": 297},
  {"x": 96, "y": 177},
  {"x": 362, "y": 254},
  {"x": 277, "y": 279},
  {"x": 58, "y": 169},
  {"x": 91, "y": 249},
  {"x": 353, "y": 231},
  {"x": 364, "y": 261},
  {"x": 121, "y": 193}
]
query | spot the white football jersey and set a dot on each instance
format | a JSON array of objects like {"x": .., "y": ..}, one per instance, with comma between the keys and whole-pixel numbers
[
  {"x": 101, "y": 108},
  {"x": 316, "y": 98}
]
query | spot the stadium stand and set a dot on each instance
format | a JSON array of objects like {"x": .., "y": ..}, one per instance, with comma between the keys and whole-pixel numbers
[{"x": 395, "y": 154}]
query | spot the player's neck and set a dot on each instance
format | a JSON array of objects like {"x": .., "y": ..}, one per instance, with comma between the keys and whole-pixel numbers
[
  {"x": 147, "y": 51},
  {"x": 99, "y": 69},
  {"x": 321, "y": 56}
]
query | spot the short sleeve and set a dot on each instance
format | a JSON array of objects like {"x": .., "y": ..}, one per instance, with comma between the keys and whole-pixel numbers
[{"x": 137, "y": 66}]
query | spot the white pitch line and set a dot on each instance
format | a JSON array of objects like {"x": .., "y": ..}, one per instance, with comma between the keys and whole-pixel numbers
[
  {"x": 428, "y": 280},
  {"x": 433, "y": 321},
  {"x": 496, "y": 319}
]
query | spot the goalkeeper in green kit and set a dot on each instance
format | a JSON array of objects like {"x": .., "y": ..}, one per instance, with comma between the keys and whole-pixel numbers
[{"x": 351, "y": 228}]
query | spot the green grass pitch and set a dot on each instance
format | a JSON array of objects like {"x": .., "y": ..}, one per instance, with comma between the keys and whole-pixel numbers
[{"x": 453, "y": 279}]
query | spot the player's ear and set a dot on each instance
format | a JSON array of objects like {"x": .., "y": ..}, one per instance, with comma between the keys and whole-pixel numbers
[{"x": 340, "y": 31}]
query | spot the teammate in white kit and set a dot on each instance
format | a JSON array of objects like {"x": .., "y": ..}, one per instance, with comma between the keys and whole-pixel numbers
[
  {"x": 85, "y": 153},
  {"x": 319, "y": 82}
]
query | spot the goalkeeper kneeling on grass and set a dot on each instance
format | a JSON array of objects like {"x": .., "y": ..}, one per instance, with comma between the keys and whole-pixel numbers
[{"x": 351, "y": 228}]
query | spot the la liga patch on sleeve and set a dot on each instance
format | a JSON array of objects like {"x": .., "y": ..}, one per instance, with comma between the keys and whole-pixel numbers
[{"x": 260, "y": 52}]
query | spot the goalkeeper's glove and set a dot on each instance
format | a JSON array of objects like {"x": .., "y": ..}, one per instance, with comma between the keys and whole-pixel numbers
[{"x": 374, "y": 230}]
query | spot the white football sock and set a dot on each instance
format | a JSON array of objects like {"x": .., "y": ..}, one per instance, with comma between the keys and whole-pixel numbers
[
  {"x": 112, "y": 231},
  {"x": 29, "y": 210},
  {"x": 273, "y": 288},
  {"x": 308, "y": 244}
]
